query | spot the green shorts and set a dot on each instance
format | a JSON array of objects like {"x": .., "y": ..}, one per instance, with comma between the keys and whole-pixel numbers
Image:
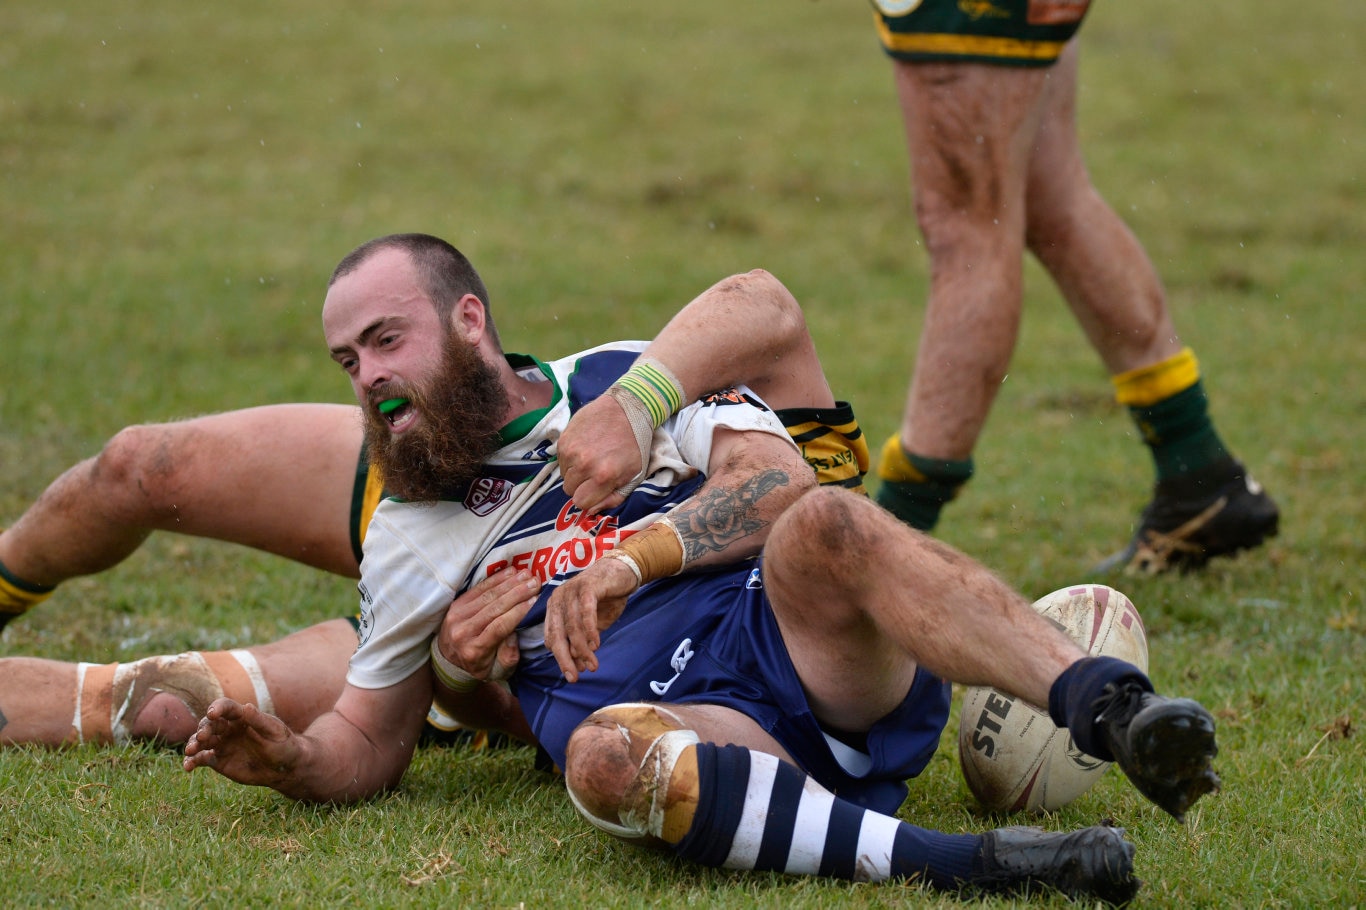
[{"x": 1009, "y": 32}]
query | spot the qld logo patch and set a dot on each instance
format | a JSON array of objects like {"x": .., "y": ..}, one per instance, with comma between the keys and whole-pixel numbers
[{"x": 487, "y": 494}]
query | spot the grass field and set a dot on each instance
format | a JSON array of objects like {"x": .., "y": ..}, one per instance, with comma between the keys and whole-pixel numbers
[{"x": 178, "y": 182}]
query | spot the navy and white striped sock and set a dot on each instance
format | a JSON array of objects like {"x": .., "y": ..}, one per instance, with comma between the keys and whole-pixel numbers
[{"x": 757, "y": 812}]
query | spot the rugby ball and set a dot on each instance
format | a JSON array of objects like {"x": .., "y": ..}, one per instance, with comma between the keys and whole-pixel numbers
[{"x": 1013, "y": 757}]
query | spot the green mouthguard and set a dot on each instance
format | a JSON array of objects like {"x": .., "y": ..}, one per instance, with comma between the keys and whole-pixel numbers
[{"x": 392, "y": 404}]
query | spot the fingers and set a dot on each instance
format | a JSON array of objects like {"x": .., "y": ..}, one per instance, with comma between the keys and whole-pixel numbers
[
  {"x": 564, "y": 630},
  {"x": 580, "y": 608},
  {"x": 480, "y": 621},
  {"x": 598, "y": 456},
  {"x": 509, "y": 652},
  {"x": 222, "y": 719}
]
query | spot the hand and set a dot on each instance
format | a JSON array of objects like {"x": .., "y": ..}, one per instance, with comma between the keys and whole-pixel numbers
[
  {"x": 243, "y": 744},
  {"x": 582, "y": 607},
  {"x": 599, "y": 456},
  {"x": 479, "y": 633}
]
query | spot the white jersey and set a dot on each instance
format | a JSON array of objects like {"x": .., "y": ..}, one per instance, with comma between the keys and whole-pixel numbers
[{"x": 419, "y": 557}]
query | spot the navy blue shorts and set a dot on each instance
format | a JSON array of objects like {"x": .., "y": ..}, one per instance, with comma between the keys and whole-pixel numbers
[{"x": 712, "y": 639}]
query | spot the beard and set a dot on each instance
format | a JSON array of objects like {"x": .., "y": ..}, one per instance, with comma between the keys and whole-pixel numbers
[{"x": 461, "y": 413}]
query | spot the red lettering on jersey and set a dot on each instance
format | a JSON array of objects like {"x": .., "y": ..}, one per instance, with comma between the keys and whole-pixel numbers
[{"x": 575, "y": 553}]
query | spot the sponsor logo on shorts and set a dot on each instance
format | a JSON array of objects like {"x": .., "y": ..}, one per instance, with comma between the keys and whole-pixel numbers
[
  {"x": 982, "y": 9},
  {"x": 682, "y": 654},
  {"x": 366, "y": 624}
]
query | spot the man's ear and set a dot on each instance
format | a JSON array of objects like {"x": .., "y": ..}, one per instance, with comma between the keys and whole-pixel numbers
[{"x": 469, "y": 319}]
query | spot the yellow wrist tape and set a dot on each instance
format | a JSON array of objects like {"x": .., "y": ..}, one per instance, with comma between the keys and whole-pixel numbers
[{"x": 656, "y": 552}]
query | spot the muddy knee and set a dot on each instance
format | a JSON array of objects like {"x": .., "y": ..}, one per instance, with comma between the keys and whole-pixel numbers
[
  {"x": 137, "y": 471},
  {"x": 631, "y": 771}
]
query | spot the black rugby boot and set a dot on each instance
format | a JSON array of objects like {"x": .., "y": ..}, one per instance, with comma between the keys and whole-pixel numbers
[
  {"x": 1095, "y": 862},
  {"x": 1165, "y": 745},
  {"x": 1194, "y": 518}
]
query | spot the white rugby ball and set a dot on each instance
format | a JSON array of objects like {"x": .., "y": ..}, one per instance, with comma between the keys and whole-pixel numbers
[{"x": 1013, "y": 757}]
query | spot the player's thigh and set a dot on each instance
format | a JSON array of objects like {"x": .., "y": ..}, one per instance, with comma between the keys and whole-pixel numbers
[
  {"x": 828, "y": 574},
  {"x": 725, "y": 726},
  {"x": 969, "y": 129},
  {"x": 1057, "y": 173},
  {"x": 305, "y": 672},
  {"x": 279, "y": 478}
]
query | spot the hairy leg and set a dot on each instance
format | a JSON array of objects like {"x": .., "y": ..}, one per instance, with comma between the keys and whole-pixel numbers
[
  {"x": 1100, "y": 267},
  {"x": 861, "y": 600},
  {"x": 278, "y": 478},
  {"x": 969, "y": 128},
  {"x": 53, "y": 703}
]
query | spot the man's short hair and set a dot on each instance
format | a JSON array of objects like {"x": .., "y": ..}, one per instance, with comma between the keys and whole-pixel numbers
[{"x": 444, "y": 272}]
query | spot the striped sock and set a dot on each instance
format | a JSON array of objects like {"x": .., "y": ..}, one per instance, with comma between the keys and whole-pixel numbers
[{"x": 757, "y": 812}]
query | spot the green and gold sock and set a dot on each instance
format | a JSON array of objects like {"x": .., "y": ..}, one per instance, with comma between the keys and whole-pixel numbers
[
  {"x": 915, "y": 488},
  {"x": 1167, "y": 402}
]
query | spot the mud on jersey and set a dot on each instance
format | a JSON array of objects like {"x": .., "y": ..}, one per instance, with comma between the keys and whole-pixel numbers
[{"x": 418, "y": 557}]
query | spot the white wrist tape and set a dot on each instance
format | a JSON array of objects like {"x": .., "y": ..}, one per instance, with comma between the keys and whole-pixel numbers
[
  {"x": 451, "y": 676},
  {"x": 630, "y": 563}
]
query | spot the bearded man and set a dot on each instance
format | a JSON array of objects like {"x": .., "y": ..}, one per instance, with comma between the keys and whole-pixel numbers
[{"x": 722, "y": 634}]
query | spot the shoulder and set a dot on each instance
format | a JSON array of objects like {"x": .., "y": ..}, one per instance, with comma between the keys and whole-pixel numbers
[{"x": 587, "y": 374}]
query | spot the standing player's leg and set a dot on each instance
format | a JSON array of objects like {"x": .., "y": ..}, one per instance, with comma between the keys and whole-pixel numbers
[
  {"x": 968, "y": 130},
  {"x": 1204, "y": 504},
  {"x": 278, "y": 478},
  {"x": 53, "y": 703}
]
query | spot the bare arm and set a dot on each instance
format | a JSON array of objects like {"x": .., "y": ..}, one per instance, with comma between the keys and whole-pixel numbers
[
  {"x": 728, "y": 520},
  {"x": 746, "y": 329},
  {"x": 360, "y": 748}
]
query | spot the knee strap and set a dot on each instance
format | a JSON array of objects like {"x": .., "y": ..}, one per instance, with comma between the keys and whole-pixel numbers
[
  {"x": 110, "y": 697},
  {"x": 660, "y": 799}
]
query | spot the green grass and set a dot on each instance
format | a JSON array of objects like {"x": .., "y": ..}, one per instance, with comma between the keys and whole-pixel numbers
[{"x": 178, "y": 182}]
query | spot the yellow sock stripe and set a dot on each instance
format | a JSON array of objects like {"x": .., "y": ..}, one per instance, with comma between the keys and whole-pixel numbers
[
  {"x": 17, "y": 599},
  {"x": 894, "y": 465},
  {"x": 969, "y": 45},
  {"x": 655, "y": 389},
  {"x": 1148, "y": 385}
]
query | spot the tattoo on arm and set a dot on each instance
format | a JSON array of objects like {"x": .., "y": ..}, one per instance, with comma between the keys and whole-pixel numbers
[{"x": 717, "y": 518}]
